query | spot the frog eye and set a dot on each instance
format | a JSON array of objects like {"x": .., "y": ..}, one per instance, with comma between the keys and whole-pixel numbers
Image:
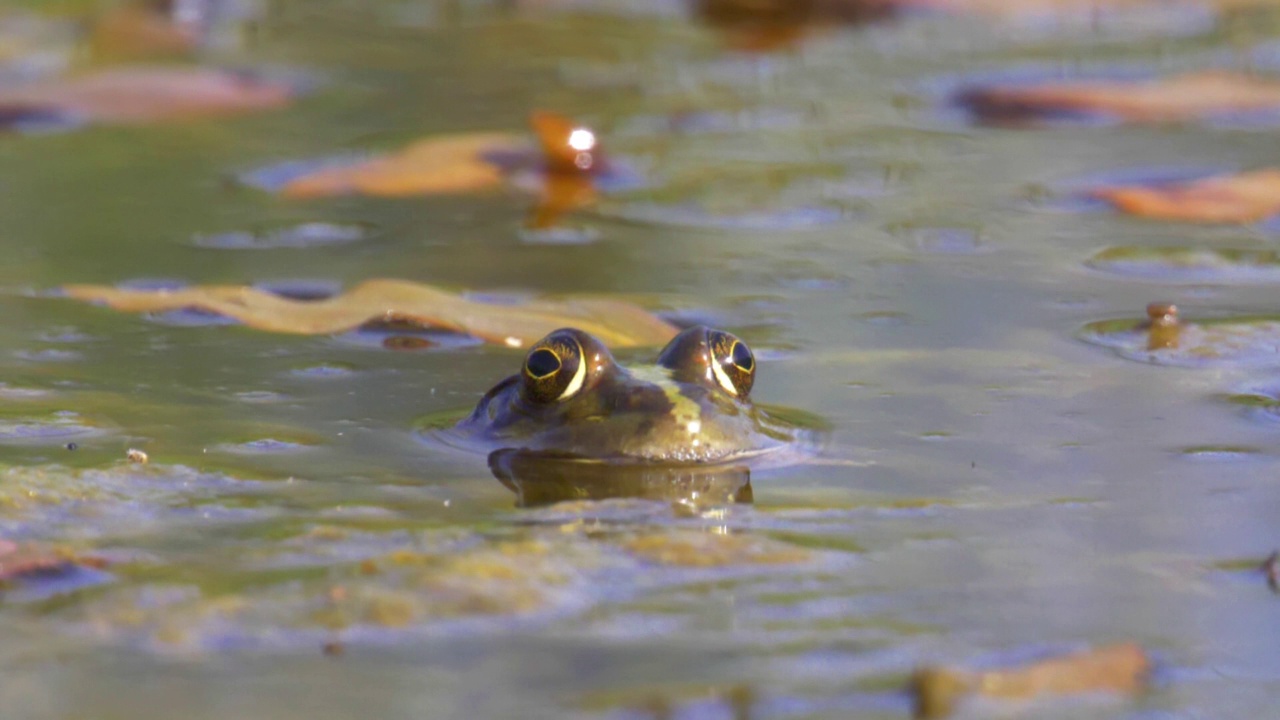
[
  {"x": 732, "y": 363},
  {"x": 553, "y": 369}
]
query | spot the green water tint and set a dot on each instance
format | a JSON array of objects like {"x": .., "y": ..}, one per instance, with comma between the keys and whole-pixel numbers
[
  {"x": 1187, "y": 265},
  {"x": 991, "y": 484}
]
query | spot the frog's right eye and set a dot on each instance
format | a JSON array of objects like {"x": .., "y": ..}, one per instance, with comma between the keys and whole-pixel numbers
[{"x": 553, "y": 370}]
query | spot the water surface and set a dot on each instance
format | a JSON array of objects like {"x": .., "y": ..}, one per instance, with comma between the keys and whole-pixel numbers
[{"x": 992, "y": 486}]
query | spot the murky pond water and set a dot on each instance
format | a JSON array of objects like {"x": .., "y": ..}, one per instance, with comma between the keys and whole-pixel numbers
[{"x": 1006, "y": 473}]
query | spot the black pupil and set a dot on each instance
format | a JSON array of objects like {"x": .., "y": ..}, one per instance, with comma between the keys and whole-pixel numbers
[
  {"x": 742, "y": 357},
  {"x": 542, "y": 362}
]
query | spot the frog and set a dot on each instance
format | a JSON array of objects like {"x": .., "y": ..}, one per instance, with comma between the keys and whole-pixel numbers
[{"x": 572, "y": 399}]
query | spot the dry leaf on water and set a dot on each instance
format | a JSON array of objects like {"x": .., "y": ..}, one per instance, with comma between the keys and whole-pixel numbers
[
  {"x": 1222, "y": 198},
  {"x": 569, "y": 155},
  {"x": 146, "y": 94},
  {"x": 1121, "y": 668},
  {"x": 1184, "y": 97},
  {"x": 617, "y": 323},
  {"x": 443, "y": 164}
]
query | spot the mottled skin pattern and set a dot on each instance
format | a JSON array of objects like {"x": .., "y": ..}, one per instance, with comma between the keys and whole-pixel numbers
[{"x": 676, "y": 411}]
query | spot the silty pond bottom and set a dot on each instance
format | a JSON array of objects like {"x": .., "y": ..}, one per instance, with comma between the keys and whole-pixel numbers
[{"x": 1002, "y": 477}]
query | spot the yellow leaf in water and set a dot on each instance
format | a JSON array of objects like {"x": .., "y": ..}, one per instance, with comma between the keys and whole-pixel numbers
[
  {"x": 146, "y": 94},
  {"x": 617, "y": 323},
  {"x": 442, "y": 164}
]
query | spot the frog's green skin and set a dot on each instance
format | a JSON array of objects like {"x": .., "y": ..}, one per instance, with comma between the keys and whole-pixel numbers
[{"x": 681, "y": 410}]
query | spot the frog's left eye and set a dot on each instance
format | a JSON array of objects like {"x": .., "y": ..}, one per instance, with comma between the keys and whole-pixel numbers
[
  {"x": 553, "y": 370},
  {"x": 732, "y": 363}
]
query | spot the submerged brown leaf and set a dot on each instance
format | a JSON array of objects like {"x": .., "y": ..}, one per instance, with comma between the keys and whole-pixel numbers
[
  {"x": 617, "y": 323},
  {"x": 1183, "y": 97},
  {"x": 568, "y": 158},
  {"x": 1245, "y": 197},
  {"x": 1121, "y": 668},
  {"x": 146, "y": 94},
  {"x": 19, "y": 562}
]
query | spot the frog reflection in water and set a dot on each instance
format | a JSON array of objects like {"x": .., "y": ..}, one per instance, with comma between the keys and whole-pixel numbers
[{"x": 573, "y": 424}]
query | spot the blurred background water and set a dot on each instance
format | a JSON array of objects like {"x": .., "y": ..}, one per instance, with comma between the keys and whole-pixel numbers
[{"x": 993, "y": 485}]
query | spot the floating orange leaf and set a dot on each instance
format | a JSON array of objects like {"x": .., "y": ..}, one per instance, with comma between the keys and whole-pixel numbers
[
  {"x": 443, "y": 164},
  {"x": 1121, "y": 668},
  {"x": 1222, "y": 198},
  {"x": 146, "y": 94},
  {"x": 570, "y": 158},
  {"x": 1184, "y": 97},
  {"x": 617, "y": 323}
]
